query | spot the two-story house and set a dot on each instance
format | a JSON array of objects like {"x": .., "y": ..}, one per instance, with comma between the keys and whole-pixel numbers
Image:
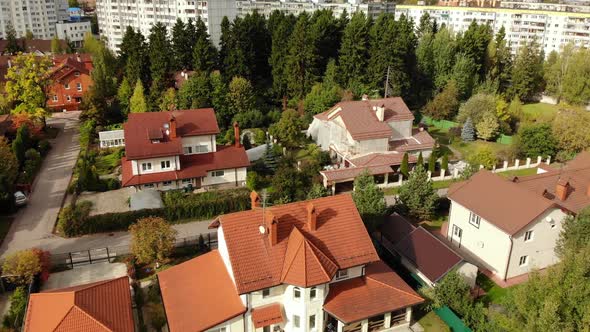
[
  {"x": 368, "y": 134},
  {"x": 170, "y": 150},
  {"x": 304, "y": 266},
  {"x": 69, "y": 80},
  {"x": 511, "y": 225}
]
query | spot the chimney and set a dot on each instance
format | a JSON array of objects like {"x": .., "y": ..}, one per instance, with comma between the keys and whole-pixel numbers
[
  {"x": 78, "y": 57},
  {"x": 365, "y": 97},
  {"x": 172, "y": 126},
  {"x": 312, "y": 217},
  {"x": 380, "y": 112},
  {"x": 272, "y": 226},
  {"x": 183, "y": 74},
  {"x": 237, "y": 135},
  {"x": 9, "y": 63},
  {"x": 561, "y": 189},
  {"x": 254, "y": 200}
]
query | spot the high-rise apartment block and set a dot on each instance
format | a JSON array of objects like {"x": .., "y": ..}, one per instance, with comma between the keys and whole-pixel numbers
[
  {"x": 38, "y": 17},
  {"x": 265, "y": 7}
]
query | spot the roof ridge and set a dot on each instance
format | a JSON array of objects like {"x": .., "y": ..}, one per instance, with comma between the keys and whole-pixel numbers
[
  {"x": 91, "y": 317},
  {"x": 312, "y": 247},
  {"x": 287, "y": 269},
  {"x": 401, "y": 290},
  {"x": 64, "y": 317},
  {"x": 549, "y": 174}
]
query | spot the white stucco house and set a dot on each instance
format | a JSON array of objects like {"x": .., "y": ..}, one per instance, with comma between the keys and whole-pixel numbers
[
  {"x": 368, "y": 134},
  {"x": 511, "y": 225},
  {"x": 306, "y": 266},
  {"x": 170, "y": 150}
]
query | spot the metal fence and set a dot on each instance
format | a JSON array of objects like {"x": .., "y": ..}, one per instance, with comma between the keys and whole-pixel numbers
[{"x": 109, "y": 254}]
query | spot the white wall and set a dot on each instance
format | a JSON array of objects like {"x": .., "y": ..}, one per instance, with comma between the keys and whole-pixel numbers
[
  {"x": 74, "y": 31},
  {"x": 156, "y": 165},
  {"x": 193, "y": 141},
  {"x": 541, "y": 248},
  {"x": 488, "y": 243},
  {"x": 372, "y": 145},
  {"x": 230, "y": 176},
  {"x": 401, "y": 129}
]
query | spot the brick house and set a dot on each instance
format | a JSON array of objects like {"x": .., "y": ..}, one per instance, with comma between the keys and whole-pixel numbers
[{"x": 70, "y": 79}]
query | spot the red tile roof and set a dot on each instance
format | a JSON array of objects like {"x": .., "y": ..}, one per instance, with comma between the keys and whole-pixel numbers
[
  {"x": 340, "y": 236},
  {"x": 375, "y": 163},
  {"x": 267, "y": 315},
  {"x": 191, "y": 166},
  {"x": 360, "y": 119},
  {"x": 380, "y": 291},
  {"x": 188, "y": 123},
  {"x": 41, "y": 45},
  {"x": 505, "y": 204},
  {"x": 103, "y": 306},
  {"x": 199, "y": 294}
]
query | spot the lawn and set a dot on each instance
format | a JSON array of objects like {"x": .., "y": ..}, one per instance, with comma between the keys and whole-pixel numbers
[
  {"x": 469, "y": 148},
  {"x": 494, "y": 293},
  {"x": 432, "y": 323},
  {"x": 540, "y": 112},
  {"x": 519, "y": 172},
  {"x": 106, "y": 164}
]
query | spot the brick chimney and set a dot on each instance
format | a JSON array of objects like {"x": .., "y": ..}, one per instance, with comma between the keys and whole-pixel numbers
[
  {"x": 561, "y": 189},
  {"x": 272, "y": 224},
  {"x": 236, "y": 135},
  {"x": 312, "y": 217},
  {"x": 172, "y": 126},
  {"x": 254, "y": 200}
]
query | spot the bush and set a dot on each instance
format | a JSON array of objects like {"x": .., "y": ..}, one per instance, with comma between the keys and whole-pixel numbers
[
  {"x": 483, "y": 156},
  {"x": 44, "y": 147},
  {"x": 156, "y": 314},
  {"x": 16, "y": 313}
]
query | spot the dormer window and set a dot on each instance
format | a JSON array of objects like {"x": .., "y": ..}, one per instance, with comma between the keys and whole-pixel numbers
[
  {"x": 341, "y": 274},
  {"x": 76, "y": 73}
]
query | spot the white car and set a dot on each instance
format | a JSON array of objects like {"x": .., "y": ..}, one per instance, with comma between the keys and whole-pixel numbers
[{"x": 20, "y": 198}]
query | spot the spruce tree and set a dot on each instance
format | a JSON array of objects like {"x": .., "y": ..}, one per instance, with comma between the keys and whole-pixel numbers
[
  {"x": 405, "y": 167},
  {"x": 354, "y": 53},
  {"x": 270, "y": 158},
  {"x": 160, "y": 52},
  {"x": 182, "y": 48},
  {"x": 133, "y": 57},
  {"x": 301, "y": 59},
  {"x": 326, "y": 34},
  {"x": 420, "y": 161},
  {"x": 12, "y": 45},
  {"x": 468, "y": 131},
  {"x": 417, "y": 194},
  {"x": 224, "y": 43},
  {"x": 204, "y": 53},
  {"x": 280, "y": 51}
]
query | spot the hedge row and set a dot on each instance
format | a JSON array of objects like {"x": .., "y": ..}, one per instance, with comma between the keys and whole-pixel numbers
[{"x": 75, "y": 221}]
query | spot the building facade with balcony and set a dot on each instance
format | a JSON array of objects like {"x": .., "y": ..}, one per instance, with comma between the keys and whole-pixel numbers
[
  {"x": 369, "y": 134},
  {"x": 114, "y": 16},
  {"x": 304, "y": 266},
  {"x": 370, "y": 8},
  {"x": 38, "y": 17},
  {"x": 551, "y": 29},
  {"x": 171, "y": 150}
]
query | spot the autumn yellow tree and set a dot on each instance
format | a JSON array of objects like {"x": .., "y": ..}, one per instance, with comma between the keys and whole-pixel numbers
[
  {"x": 22, "y": 266},
  {"x": 152, "y": 239}
]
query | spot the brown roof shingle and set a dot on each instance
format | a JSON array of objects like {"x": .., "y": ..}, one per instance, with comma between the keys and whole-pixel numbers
[
  {"x": 381, "y": 290},
  {"x": 103, "y": 306},
  {"x": 340, "y": 236},
  {"x": 199, "y": 294},
  {"x": 267, "y": 315}
]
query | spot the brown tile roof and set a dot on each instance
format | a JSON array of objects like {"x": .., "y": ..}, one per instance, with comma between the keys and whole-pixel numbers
[
  {"x": 505, "y": 204},
  {"x": 381, "y": 290},
  {"x": 103, "y": 306},
  {"x": 188, "y": 123},
  {"x": 375, "y": 163},
  {"x": 420, "y": 140},
  {"x": 192, "y": 166},
  {"x": 199, "y": 294},
  {"x": 378, "y": 159},
  {"x": 350, "y": 173},
  {"x": 267, "y": 315},
  {"x": 396, "y": 227},
  {"x": 340, "y": 236},
  {"x": 361, "y": 121}
]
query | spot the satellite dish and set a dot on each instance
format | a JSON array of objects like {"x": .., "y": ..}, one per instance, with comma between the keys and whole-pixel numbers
[
  {"x": 262, "y": 229},
  {"x": 549, "y": 219}
]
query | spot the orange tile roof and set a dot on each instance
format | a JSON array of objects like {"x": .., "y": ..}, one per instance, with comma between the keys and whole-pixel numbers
[
  {"x": 199, "y": 294},
  {"x": 340, "y": 236},
  {"x": 103, "y": 306},
  {"x": 267, "y": 315},
  {"x": 380, "y": 291},
  {"x": 305, "y": 265}
]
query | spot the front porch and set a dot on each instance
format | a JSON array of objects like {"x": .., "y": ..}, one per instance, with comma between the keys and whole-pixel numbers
[{"x": 398, "y": 320}]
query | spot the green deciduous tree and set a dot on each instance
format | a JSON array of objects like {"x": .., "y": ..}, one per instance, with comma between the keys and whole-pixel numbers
[
  {"x": 137, "y": 103},
  {"x": 487, "y": 127},
  {"x": 417, "y": 194},
  {"x": 537, "y": 140},
  {"x": 477, "y": 107},
  {"x": 12, "y": 44},
  {"x": 575, "y": 233},
  {"x": 368, "y": 198},
  {"x": 22, "y": 266},
  {"x": 577, "y": 78},
  {"x": 445, "y": 104},
  {"x": 219, "y": 96},
  {"x": 317, "y": 191},
  {"x": 241, "y": 96},
  {"x": 8, "y": 175},
  {"x": 444, "y": 48},
  {"x": 484, "y": 156},
  {"x": 288, "y": 129},
  {"x": 463, "y": 73},
  {"x": 152, "y": 240},
  {"x": 56, "y": 46},
  {"x": 499, "y": 61},
  {"x": 195, "y": 92},
  {"x": 571, "y": 130}
]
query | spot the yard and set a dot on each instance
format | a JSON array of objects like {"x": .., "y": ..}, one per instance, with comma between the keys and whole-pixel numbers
[
  {"x": 519, "y": 172},
  {"x": 106, "y": 162},
  {"x": 494, "y": 293},
  {"x": 432, "y": 323}
]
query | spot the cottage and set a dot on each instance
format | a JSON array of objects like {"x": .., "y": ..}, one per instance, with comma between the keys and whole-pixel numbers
[{"x": 70, "y": 79}]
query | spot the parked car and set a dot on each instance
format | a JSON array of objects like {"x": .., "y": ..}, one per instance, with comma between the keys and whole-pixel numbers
[{"x": 20, "y": 198}]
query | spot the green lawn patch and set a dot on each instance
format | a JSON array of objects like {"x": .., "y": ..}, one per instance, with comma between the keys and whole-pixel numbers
[
  {"x": 494, "y": 293},
  {"x": 442, "y": 184},
  {"x": 432, "y": 323},
  {"x": 391, "y": 191},
  {"x": 469, "y": 148},
  {"x": 519, "y": 172},
  {"x": 5, "y": 222},
  {"x": 106, "y": 164},
  {"x": 540, "y": 112}
]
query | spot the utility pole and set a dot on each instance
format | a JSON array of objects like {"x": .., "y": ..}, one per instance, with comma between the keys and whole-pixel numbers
[{"x": 386, "y": 83}]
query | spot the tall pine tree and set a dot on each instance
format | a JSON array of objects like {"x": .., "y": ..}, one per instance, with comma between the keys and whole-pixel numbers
[
  {"x": 354, "y": 53},
  {"x": 160, "y": 52},
  {"x": 182, "y": 48},
  {"x": 204, "y": 53},
  {"x": 301, "y": 59},
  {"x": 280, "y": 50}
]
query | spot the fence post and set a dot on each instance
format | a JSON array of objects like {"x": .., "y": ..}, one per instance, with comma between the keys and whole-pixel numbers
[
  {"x": 517, "y": 163},
  {"x": 71, "y": 259},
  {"x": 494, "y": 168},
  {"x": 108, "y": 255},
  {"x": 89, "y": 257},
  {"x": 400, "y": 179},
  {"x": 505, "y": 166},
  {"x": 548, "y": 160},
  {"x": 442, "y": 173},
  {"x": 539, "y": 159},
  {"x": 528, "y": 162},
  {"x": 429, "y": 175},
  {"x": 480, "y": 166},
  {"x": 455, "y": 173}
]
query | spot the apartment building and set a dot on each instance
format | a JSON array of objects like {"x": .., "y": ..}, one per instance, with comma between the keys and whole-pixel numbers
[
  {"x": 370, "y": 8},
  {"x": 170, "y": 150},
  {"x": 114, "y": 16},
  {"x": 305, "y": 266},
  {"x": 74, "y": 28},
  {"x": 38, "y": 17},
  {"x": 551, "y": 29}
]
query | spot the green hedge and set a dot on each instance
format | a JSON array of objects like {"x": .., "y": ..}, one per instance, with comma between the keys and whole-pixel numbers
[{"x": 75, "y": 221}]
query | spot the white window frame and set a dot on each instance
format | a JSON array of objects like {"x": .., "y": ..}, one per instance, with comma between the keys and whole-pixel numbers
[
  {"x": 474, "y": 219},
  {"x": 313, "y": 293},
  {"x": 165, "y": 164},
  {"x": 55, "y": 98},
  {"x": 188, "y": 149},
  {"x": 219, "y": 329},
  {"x": 67, "y": 86},
  {"x": 186, "y": 181},
  {"x": 528, "y": 236},
  {"x": 523, "y": 261},
  {"x": 167, "y": 183},
  {"x": 217, "y": 174},
  {"x": 76, "y": 73},
  {"x": 148, "y": 185},
  {"x": 201, "y": 148},
  {"x": 341, "y": 274},
  {"x": 68, "y": 98},
  {"x": 146, "y": 166},
  {"x": 296, "y": 293},
  {"x": 79, "y": 86}
]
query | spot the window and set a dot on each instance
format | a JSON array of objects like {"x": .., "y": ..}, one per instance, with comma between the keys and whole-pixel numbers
[
  {"x": 341, "y": 274},
  {"x": 219, "y": 329},
  {"x": 523, "y": 260},
  {"x": 457, "y": 231},
  {"x": 68, "y": 98},
  {"x": 149, "y": 185},
  {"x": 79, "y": 86},
  {"x": 54, "y": 97},
  {"x": 217, "y": 173},
  {"x": 76, "y": 73},
  {"x": 185, "y": 181},
  {"x": 167, "y": 183},
  {"x": 313, "y": 293},
  {"x": 296, "y": 293},
  {"x": 265, "y": 293},
  {"x": 165, "y": 164},
  {"x": 188, "y": 149},
  {"x": 146, "y": 166},
  {"x": 201, "y": 148},
  {"x": 312, "y": 322},
  {"x": 66, "y": 86},
  {"x": 474, "y": 219},
  {"x": 266, "y": 328},
  {"x": 296, "y": 321},
  {"x": 528, "y": 236}
]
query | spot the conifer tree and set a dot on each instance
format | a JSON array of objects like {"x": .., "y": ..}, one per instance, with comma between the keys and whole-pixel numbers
[
  {"x": 405, "y": 167},
  {"x": 301, "y": 59},
  {"x": 137, "y": 103},
  {"x": 468, "y": 131},
  {"x": 420, "y": 161},
  {"x": 204, "y": 53},
  {"x": 354, "y": 55}
]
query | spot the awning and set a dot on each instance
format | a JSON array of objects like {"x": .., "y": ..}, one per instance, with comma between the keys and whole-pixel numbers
[{"x": 267, "y": 315}]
